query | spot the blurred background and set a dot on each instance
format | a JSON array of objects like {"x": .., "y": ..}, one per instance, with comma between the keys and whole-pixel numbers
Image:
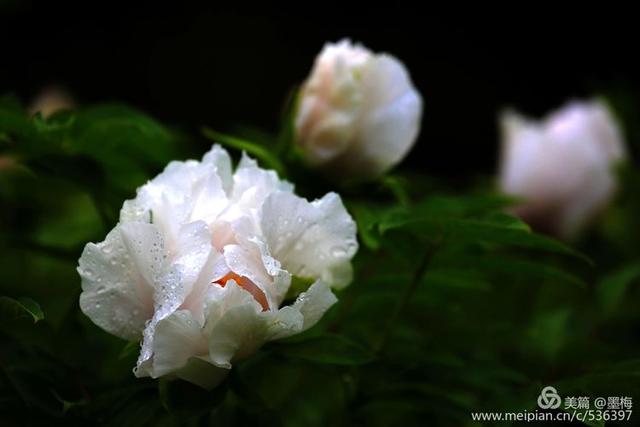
[
  {"x": 500, "y": 313},
  {"x": 198, "y": 64}
]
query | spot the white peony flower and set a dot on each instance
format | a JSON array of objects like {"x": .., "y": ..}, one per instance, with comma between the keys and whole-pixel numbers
[
  {"x": 201, "y": 261},
  {"x": 562, "y": 167},
  {"x": 359, "y": 113}
]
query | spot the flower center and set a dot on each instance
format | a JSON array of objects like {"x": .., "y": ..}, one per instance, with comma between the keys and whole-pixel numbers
[{"x": 248, "y": 286}]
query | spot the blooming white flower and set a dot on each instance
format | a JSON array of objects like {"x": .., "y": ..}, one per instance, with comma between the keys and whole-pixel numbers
[
  {"x": 202, "y": 259},
  {"x": 562, "y": 167},
  {"x": 359, "y": 113}
]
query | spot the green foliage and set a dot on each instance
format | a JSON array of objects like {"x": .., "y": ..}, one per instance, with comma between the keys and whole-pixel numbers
[
  {"x": 13, "y": 309},
  {"x": 327, "y": 349},
  {"x": 255, "y": 150},
  {"x": 456, "y": 306}
]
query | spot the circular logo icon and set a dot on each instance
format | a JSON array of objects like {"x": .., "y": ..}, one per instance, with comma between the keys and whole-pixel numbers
[
  {"x": 549, "y": 398},
  {"x": 600, "y": 402}
]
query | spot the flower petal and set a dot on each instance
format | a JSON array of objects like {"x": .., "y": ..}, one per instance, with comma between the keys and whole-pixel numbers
[
  {"x": 221, "y": 162},
  {"x": 182, "y": 193},
  {"x": 115, "y": 294},
  {"x": 253, "y": 184},
  {"x": 247, "y": 261},
  {"x": 174, "y": 283},
  {"x": 178, "y": 337},
  {"x": 315, "y": 240},
  {"x": 145, "y": 246},
  {"x": 314, "y": 303},
  {"x": 390, "y": 127},
  {"x": 234, "y": 326}
]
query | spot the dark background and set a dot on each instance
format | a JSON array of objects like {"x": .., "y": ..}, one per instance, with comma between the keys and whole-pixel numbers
[{"x": 194, "y": 65}]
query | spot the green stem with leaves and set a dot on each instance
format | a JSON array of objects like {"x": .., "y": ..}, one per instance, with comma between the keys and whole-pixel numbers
[{"x": 406, "y": 297}]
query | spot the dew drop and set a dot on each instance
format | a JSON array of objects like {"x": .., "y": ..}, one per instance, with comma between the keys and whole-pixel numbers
[{"x": 338, "y": 252}]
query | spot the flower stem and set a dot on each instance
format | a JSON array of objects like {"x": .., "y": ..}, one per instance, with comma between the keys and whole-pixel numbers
[{"x": 405, "y": 297}]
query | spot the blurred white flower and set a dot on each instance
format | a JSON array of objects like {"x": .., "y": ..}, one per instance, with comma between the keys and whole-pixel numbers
[
  {"x": 562, "y": 167},
  {"x": 202, "y": 259},
  {"x": 358, "y": 113},
  {"x": 50, "y": 100}
]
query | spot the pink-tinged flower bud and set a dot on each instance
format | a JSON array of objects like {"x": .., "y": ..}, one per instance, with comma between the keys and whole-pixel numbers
[
  {"x": 51, "y": 100},
  {"x": 562, "y": 167},
  {"x": 358, "y": 113}
]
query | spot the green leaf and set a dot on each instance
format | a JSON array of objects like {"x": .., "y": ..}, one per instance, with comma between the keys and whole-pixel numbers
[
  {"x": 509, "y": 265},
  {"x": 610, "y": 291},
  {"x": 12, "y": 309},
  {"x": 366, "y": 221},
  {"x": 299, "y": 285},
  {"x": 68, "y": 405},
  {"x": 258, "y": 151},
  {"x": 130, "y": 348},
  {"x": 456, "y": 279},
  {"x": 497, "y": 229},
  {"x": 328, "y": 349},
  {"x": 397, "y": 187},
  {"x": 548, "y": 331}
]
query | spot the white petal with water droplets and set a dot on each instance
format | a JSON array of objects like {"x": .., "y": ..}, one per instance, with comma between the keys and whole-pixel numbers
[
  {"x": 313, "y": 303},
  {"x": 115, "y": 294},
  {"x": 175, "y": 282},
  {"x": 164, "y": 271},
  {"x": 234, "y": 325},
  {"x": 315, "y": 240},
  {"x": 178, "y": 337}
]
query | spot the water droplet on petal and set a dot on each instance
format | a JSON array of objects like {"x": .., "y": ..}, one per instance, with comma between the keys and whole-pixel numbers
[{"x": 338, "y": 251}]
